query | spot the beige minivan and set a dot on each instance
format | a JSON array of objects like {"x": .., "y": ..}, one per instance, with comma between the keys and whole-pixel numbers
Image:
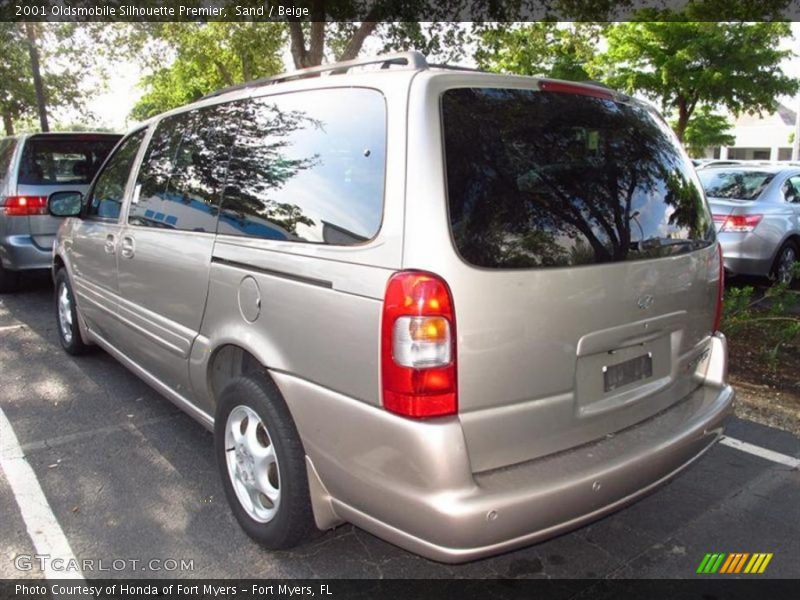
[{"x": 462, "y": 311}]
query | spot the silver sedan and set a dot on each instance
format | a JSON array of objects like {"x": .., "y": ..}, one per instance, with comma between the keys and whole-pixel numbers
[{"x": 756, "y": 213}]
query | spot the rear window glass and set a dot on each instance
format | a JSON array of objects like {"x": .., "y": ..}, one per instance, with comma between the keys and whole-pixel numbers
[
  {"x": 58, "y": 161},
  {"x": 738, "y": 185},
  {"x": 547, "y": 179}
]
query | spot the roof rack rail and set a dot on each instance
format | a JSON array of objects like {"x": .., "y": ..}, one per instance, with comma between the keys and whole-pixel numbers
[
  {"x": 453, "y": 67},
  {"x": 413, "y": 59}
]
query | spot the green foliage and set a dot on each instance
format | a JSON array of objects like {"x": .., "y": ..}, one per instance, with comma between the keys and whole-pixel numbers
[
  {"x": 705, "y": 129},
  {"x": 208, "y": 56},
  {"x": 685, "y": 64},
  {"x": 542, "y": 48},
  {"x": 768, "y": 318}
]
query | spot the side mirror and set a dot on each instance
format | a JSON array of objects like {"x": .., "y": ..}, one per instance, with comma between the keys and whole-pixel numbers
[{"x": 65, "y": 204}]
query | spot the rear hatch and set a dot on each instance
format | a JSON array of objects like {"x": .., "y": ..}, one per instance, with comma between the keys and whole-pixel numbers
[
  {"x": 588, "y": 279},
  {"x": 55, "y": 162}
]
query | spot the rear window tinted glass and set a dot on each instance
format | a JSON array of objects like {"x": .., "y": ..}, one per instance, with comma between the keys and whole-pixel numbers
[
  {"x": 183, "y": 171},
  {"x": 739, "y": 185},
  {"x": 6, "y": 152},
  {"x": 59, "y": 161},
  {"x": 308, "y": 167},
  {"x": 546, "y": 179}
]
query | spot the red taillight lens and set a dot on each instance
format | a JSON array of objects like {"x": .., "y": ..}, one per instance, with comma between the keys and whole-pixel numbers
[
  {"x": 23, "y": 206},
  {"x": 570, "y": 88},
  {"x": 720, "y": 292},
  {"x": 738, "y": 223},
  {"x": 418, "y": 346}
]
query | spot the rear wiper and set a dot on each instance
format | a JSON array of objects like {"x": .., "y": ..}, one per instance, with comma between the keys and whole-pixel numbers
[{"x": 665, "y": 242}]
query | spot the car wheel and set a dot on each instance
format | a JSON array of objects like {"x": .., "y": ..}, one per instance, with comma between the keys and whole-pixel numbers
[
  {"x": 9, "y": 280},
  {"x": 67, "y": 316},
  {"x": 262, "y": 463},
  {"x": 783, "y": 271}
]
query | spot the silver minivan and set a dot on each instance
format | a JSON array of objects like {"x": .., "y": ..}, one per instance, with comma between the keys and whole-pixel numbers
[
  {"x": 33, "y": 166},
  {"x": 462, "y": 311}
]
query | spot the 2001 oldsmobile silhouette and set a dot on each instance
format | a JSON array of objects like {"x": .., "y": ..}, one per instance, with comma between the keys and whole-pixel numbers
[{"x": 463, "y": 311}]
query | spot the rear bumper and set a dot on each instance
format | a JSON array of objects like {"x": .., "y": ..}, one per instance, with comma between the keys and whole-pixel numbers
[
  {"x": 747, "y": 254},
  {"x": 411, "y": 484},
  {"x": 20, "y": 253}
]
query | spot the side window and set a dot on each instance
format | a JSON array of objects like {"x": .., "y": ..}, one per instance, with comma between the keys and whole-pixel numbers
[
  {"x": 108, "y": 192},
  {"x": 183, "y": 171},
  {"x": 308, "y": 167},
  {"x": 791, "y": 189},
  {"x": 7, "y": 146}
]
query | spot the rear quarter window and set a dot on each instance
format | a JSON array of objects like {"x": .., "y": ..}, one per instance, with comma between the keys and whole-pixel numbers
[
  {"x": 547, "y": 179},
  {"x": 308, "y": 167}
]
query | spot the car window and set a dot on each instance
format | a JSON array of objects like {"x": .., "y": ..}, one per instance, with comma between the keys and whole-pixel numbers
[
  {"x": 57, "y": 160},
  {"x": 184, "y": 168},
  {"x": 548, "y": 179},
  {"x": 735, "y": 184},
  {"x": 7, "y": 146},
  {"x": 791, "y": 189},
  {"x": 105, "y": 200},
  {"x": 308, "y": 167}
]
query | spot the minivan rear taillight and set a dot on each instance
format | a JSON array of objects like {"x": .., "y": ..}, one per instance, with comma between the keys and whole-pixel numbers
[
  {"x": 720, "y": 291},
  {"x": 418, "y": 346},
  {"x": 23, "y": 206}
]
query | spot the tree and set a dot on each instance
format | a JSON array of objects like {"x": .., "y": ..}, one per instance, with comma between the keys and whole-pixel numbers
[
  {"x": 543, "y": 48},
  {"x": 685, "y": 64},
  {"x": 17, "y": 95},
  {"x": 208, "y": 56},
  {"x": 706, "y": 129}
]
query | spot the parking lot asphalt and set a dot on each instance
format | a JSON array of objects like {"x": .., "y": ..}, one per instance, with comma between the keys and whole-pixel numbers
[{"x": 128, "y": 476}]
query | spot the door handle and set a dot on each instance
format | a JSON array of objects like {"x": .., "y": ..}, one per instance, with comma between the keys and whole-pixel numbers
[
  {"x": 127, "y": 247},
  {"x": 110, "y": 245}
]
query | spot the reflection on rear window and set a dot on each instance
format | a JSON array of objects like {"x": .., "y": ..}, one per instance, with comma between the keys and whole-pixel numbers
[
  {"x": 738, "y": 185},
  {"x": 63, "y": 160},
  {"x": 546, "y": 179}
]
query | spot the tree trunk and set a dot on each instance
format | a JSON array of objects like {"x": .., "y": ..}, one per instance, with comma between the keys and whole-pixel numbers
[
  {"x": 683, "y": 119},
  {"x": 357, "y": 41},
  {"x": 41, "y": 100},
  {"x": 8, "y": 123}
]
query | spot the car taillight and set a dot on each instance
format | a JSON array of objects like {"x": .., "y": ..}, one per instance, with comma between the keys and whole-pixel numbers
[
  {"x": 571, "y": 88},
  {"x": 738, "y": 223},
  {"x": 23, "y": 206},
  {"x": 418, "y": 346},
  {"x": 720, "y": 291}
]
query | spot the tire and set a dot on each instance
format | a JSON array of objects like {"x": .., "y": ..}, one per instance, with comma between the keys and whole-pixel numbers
[
  {"x": 783, "y": 269},
  {"x": 268, "y": 496},
  {"x": 69, "y": 333},
  {"x": 9, "y": 280}
]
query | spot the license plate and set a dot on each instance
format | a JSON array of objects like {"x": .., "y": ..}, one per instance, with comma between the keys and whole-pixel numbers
[{"x": 617, "y": 376}]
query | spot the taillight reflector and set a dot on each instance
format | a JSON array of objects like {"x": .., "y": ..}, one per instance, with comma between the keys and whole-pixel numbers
[
  {"x": 418, "y": 346},
  {"x": 23, "y": 206}
]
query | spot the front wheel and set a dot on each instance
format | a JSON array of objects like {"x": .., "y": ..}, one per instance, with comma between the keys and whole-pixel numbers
[
  {"x": 69, "y": 333},
  {"x": 784, "y": 268},
  {"x": 262, "y": 463}
]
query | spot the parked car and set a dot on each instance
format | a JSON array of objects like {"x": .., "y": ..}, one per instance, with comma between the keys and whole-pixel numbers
[
  {"x": 463, "y": 311},
  {"x": 31, "y": 168},
  {"x": 757, "y": 216},
  {"x": 716, "y": 163}
]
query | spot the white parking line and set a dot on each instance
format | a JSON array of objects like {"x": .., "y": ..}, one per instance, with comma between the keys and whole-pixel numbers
[
  {"x": 777, "y": 457},
  {"x": 43, "y": 528}
]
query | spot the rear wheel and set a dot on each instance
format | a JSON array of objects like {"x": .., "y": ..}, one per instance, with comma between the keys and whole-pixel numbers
[
  {"x": 69, "y": 333},
  {"x": 262, "y": 463},
  {"x": 9, "y": 280},
  {"x": 783, "y": 270}
]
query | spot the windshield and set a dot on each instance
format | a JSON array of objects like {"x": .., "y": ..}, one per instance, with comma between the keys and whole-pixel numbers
[
  {"x": 548, "y": 179},
  {"x": 735, "y": 185}
]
